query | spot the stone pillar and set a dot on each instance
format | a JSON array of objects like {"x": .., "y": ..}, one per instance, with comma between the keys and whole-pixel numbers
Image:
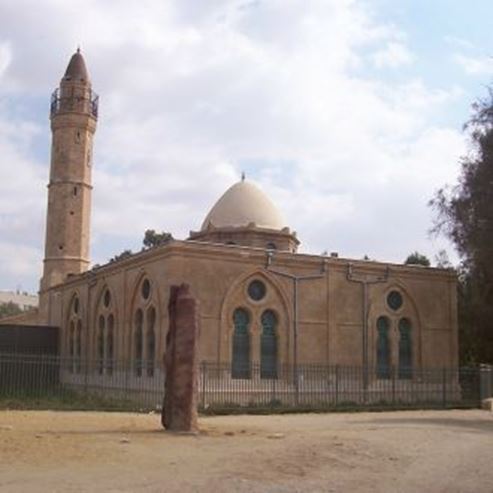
[{"x": 181, "y": 362}]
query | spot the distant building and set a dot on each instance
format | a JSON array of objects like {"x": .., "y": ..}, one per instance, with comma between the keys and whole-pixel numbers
[{"x": 25, "y": 301}]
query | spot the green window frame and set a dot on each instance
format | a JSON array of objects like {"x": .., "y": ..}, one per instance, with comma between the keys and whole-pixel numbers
[
  {"x": 268, "y": 345},
  {"x": 241, "y": 365},
  {"x": 383, "y": 347},
  {"x": 138, "y": 343},
  {"x": 405, "y": 349}
]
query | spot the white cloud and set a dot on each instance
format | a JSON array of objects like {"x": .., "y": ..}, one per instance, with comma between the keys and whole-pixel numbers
[
  {"x": 460, "y": 43},
  {"x": 393, "y": 55},
  {"x": 192, "y": 93},
  {"x": 475, "y": 65},
  {"x": 5, "y": 57}
]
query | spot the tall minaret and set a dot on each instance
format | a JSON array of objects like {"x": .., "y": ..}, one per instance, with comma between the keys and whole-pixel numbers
[{"x": 74, "y": 112}]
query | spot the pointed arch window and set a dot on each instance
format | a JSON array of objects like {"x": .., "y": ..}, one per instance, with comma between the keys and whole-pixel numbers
[
  {"x": 383, "y": 348},
  {"x": 71, "y": 345},
  {"x": 106, "y": 330},
  {"x": 78, "y": 347},
  {"x": 146, "y": 328},
  {"x": 151, "y": 341},
  {"x": 268, "y": 345},
  {"x": 241, "y": 344},
  {"x": 100, "y": 345},
  {"x": 138, "y": 348},
  {"x": 405, "y": 349},
  {"x": 110, "y": 344},
  {"x": 74, "y": 335}
]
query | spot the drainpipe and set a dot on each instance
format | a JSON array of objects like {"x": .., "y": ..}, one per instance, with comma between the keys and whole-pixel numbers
[
  {"x": 365, "y": 282},
  {"x": 296, "y": 279}
]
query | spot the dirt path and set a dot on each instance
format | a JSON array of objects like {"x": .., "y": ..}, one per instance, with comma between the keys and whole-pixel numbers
[{"x": 424, "y": 451}]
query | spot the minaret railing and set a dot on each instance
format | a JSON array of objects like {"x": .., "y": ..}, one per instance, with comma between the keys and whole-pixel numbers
[{"x": 60, "y": 104}]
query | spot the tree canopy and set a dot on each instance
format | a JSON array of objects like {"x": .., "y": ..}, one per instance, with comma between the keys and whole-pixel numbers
[
  {"x": 417, "y": 258},
  {"x": 151, "y": 239},
  {"x": 464, "y": 213},
  {"x": 120, "y": 256},
  {"x": 9, "y": 309}
]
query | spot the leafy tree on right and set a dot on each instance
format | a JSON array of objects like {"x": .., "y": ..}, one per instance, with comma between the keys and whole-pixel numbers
[{"x": 464, "y": 213}]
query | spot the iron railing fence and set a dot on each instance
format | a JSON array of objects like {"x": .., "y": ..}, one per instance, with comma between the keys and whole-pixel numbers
[
  {"x": 34, "y": 380},
  {"x": 313, "y": 386}
]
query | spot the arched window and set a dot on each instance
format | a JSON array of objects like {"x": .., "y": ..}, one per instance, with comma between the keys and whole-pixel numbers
[
  {"x": 151, "y": 341},
  {"x": 109, "y": 344},
  {"x": 100, "y": 344},
  {"x": 78, "y": 347},
  {"x": 105, "y": 333},
  {"x": 383, "y": 348},
  {"x": 138, "y": 349},
  {"x": 146, "y": 327},
  {"x": 74, "y": 335},
  {"x": 405, "y": 349},
  {"x": 71, "y": 343},
  {"x": 268, "y": 345},
  {"x": 241, "y": 344}
]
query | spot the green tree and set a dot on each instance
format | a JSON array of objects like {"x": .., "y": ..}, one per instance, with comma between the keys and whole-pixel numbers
[
  {"x": 153, "y": 239},
  {"x": 464, "y": 213},
  {"x": 125, "y": 254},
  {"x": 9, "y": 309},
  {"x": 417, "y": 258}
]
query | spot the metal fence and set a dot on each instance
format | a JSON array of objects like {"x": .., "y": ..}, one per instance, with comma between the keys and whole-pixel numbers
[
  {"x": 41, "y": 381},
  {"x": 332, "y": 387}
]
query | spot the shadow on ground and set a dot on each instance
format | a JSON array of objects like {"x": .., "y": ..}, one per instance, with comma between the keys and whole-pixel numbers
[{"x": 477, "y": 425}]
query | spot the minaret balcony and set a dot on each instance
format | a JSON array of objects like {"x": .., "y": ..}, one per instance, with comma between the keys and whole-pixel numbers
[{"x": 77, "y": 104}]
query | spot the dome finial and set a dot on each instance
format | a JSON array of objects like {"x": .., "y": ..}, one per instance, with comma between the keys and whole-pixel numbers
[
  {"x": 243, "y": 176},
  {"x": 78, "y": 48}
]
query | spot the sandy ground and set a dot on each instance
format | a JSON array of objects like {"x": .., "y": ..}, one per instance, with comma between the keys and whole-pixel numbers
[{"x": 415, "y": 451}]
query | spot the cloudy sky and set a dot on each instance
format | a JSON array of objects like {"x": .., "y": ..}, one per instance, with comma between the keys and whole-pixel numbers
[{"x": 348, "y": 113}]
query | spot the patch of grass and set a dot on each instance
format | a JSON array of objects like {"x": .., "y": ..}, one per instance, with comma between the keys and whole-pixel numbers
[
  {"x": 67, "y": 400},
  {"x": 347, "y": 407}
]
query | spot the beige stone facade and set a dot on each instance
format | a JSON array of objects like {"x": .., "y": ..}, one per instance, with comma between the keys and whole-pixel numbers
[
  {"x": 244, "y": 270},
  {"x": 331, "y": 321}
]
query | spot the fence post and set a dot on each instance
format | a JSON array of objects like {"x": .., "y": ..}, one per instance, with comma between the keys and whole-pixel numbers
[
  {"x": 392, "y": 369},
  {"x": 273, "y": 387},
  {"x": 485, "y": 382},
  {"x": 86, "y": 376},
  {"x": 444, "y": 387},
  {"x": 337, "y": 386}
]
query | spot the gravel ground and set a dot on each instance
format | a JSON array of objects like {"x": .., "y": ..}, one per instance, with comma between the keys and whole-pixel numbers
[{"x": 412, "y": 451}]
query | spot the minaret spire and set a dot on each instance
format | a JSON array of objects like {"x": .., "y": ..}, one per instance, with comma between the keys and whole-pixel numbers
[{"x": 74, "y": 111}]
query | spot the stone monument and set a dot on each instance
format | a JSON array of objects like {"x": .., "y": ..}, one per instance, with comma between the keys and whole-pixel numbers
[{"x": 181, "y": 362}]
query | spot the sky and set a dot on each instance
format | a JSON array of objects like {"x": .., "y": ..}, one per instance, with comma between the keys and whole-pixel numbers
[{"x": 347, "y": 113}]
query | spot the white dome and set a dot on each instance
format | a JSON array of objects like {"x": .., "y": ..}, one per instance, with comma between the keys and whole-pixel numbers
[{"x": 242, "y": 204}]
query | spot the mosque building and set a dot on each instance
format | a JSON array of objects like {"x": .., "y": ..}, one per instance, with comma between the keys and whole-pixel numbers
[{"x": 260, "y": 300}]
